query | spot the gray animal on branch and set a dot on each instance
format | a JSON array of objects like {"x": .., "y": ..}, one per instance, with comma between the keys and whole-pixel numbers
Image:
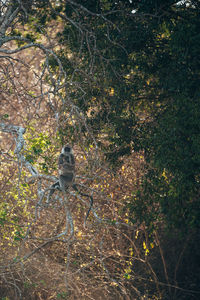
[{"x": 66, "y": 170}]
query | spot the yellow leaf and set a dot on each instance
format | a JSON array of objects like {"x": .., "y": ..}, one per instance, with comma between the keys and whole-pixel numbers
[
  {"x": 131, "y": 251},
  {"x": 148, "y": 82},
  {"x": 79, "y": 234},
  {"x": 112, "y": 91},
  {"x": 152, "y": 245},
  {"x": 114, "y": 283},
  {"x": 144, "y": 245}
]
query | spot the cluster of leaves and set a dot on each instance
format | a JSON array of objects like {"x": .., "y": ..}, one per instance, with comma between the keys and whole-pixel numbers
[{"x": 38, "y": 151}]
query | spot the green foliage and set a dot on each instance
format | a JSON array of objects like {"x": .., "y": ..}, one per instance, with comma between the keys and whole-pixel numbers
[
  {"x": 5, "y": 116},
  {"x": 62, "y": 295},
  {"x": 3, "y": 214},
  {"x": 18, "y": 235},
  {"x": 37, "y": 152},
  {"x": 11, "y": 211},
  {"x": 171, "y": 140}
]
